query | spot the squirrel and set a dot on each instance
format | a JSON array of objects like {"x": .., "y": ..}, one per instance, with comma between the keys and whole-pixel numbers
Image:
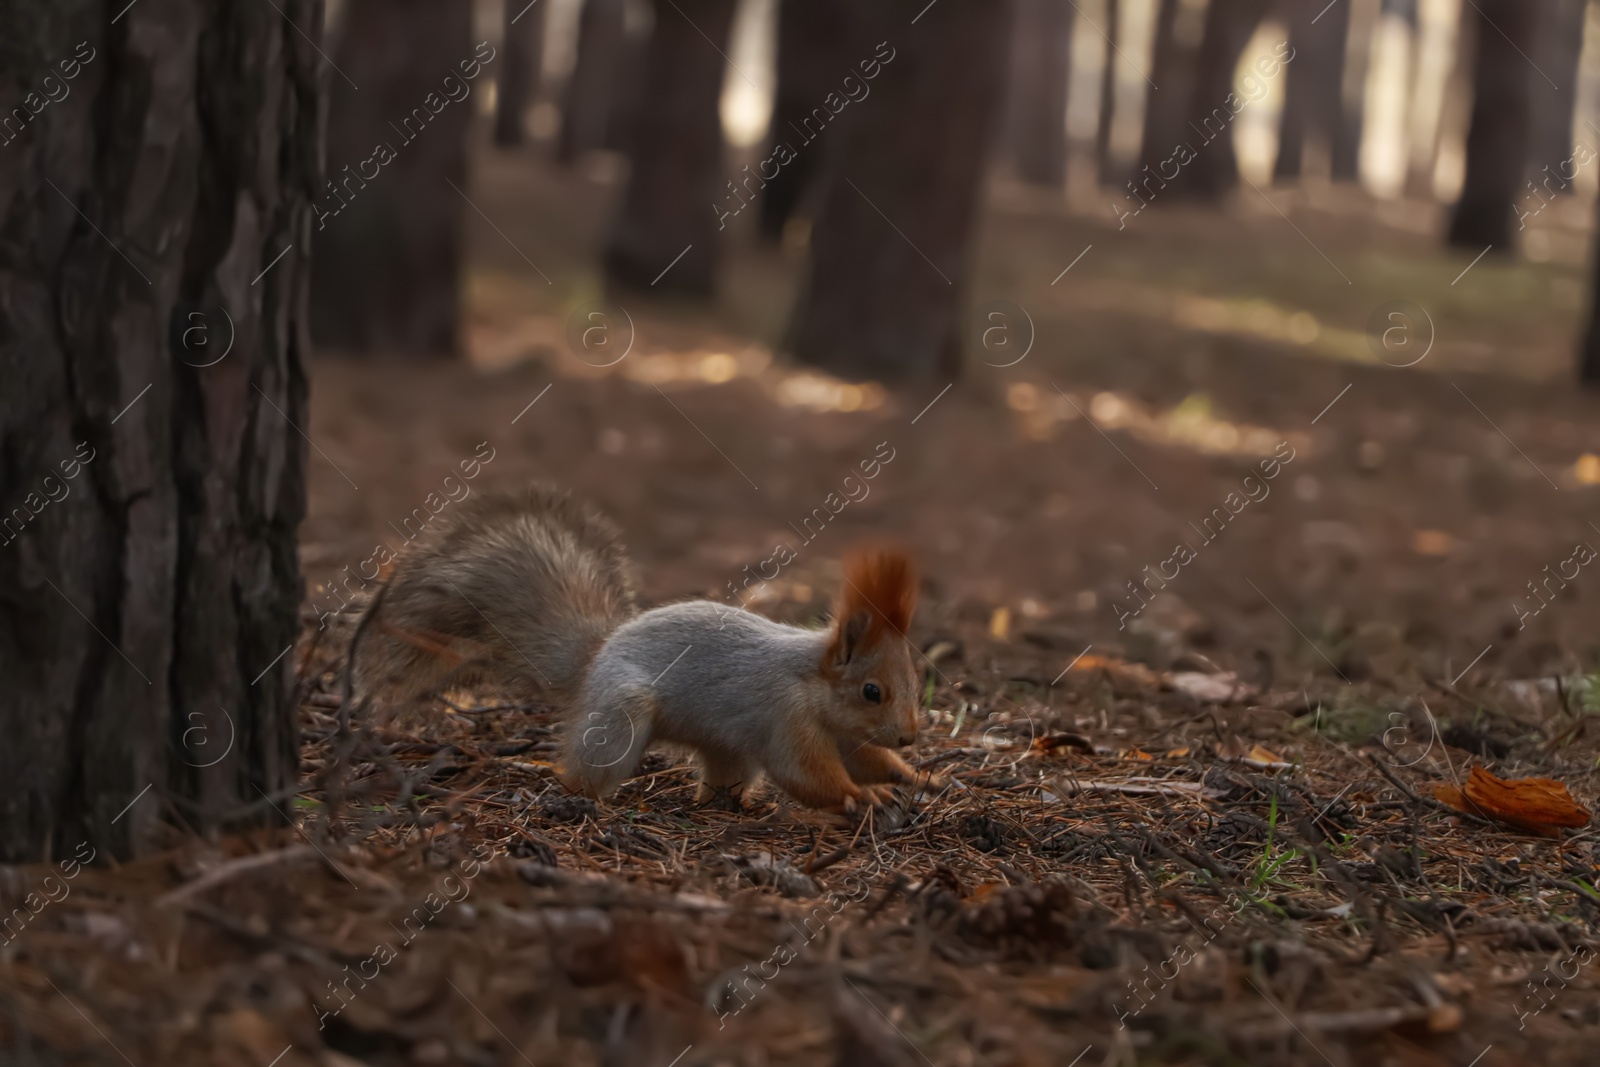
[{"x": 536, "y": 591}]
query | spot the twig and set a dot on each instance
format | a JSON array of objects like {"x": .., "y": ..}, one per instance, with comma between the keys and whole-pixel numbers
[
  {"x": 1426, "y": 801},
  {"x": 232, "y": 869}
]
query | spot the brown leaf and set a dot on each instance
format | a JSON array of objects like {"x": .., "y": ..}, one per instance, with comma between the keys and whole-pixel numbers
[
  {"x": 1262, "y": 754},
  {"x": 1538, "y": 805},
  {"x": 1125, "y": 677},
  {"x": 1059, "y": 744}
]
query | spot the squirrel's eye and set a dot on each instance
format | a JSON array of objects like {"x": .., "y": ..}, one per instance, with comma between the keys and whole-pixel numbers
[{"x": 872, "y": 693}]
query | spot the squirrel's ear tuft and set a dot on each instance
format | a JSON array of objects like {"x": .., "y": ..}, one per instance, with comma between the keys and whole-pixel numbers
[{"x": 879, "y": 594}]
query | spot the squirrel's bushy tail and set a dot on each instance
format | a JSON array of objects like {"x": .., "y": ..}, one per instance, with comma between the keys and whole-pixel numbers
[{"x": 520, "y": 589}]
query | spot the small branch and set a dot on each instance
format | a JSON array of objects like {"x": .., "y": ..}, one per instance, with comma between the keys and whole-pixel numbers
[
  {"x": 1429, "y": 802},
  {"x": 232, "y": 869}
]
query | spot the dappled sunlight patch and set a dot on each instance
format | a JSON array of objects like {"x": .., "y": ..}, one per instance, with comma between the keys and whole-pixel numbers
[
  {"x": 1191, "y": 424},
  {"x": 1267, "y": 321}
]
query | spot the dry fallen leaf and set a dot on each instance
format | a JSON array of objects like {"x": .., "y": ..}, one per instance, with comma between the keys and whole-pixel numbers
[
  {"x": 1262, "y": 754},
  {"x": 1124, "y": 676},
  {"x": 1059, "y": 744},
  {"x": 1000, "y": 624},
  {"x": 1224, "y": 688},
  {"x": 1431, "y": 543},
  {"x": 1539, "y": 805}
]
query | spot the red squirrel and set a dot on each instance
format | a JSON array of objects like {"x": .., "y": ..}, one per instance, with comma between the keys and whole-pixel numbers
[{"x": 536, "y": 591}]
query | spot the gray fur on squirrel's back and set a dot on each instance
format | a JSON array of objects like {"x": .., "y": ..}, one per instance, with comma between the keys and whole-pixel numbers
[
  {"x": 705, "y": 658},
  {"x": 523, "y": 588}
]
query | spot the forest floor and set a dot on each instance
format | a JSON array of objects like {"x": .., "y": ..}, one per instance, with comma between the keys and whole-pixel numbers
[{"x": 1197, "y": 826}]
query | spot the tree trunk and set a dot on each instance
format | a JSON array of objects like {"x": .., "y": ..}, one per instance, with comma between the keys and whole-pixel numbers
[
  {"x": 1108, "y": 99},
  {"x": 1166, "y": 106},
  {"x": 521, "y": 65},
  {"x": 1229, "y": 26},
  {"x": 892, "y": 248},
  {"x": 1313, "y": 82},
  {"x": 154, "y": 229},
  {"x": 388, "y": 247},
  {"x": 1361, "y": 19},
  {"x": 1589, "y": 353},
  {"x": 1558, "y": 46},
  {"x": 1497, "y": 145},
  {"x": 1041, "y": 55},
  {"x": 812, "y": 54},
  {"x": 670, "y": 208},
  {"x": 591, "y": 92}
]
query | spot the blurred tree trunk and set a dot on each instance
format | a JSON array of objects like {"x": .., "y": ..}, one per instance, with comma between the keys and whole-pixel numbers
[
  {"x": 1041, "y": 56},
  {"x": 1361, "y": 20},
  {"x": 1108, "y": 99},
  {"x": 1229, "y": 26},
  {"x": 1166, "y": 106},
  {"x": 1557, "y": 49},
  {"x": 388, "y": 246},
  {"x": 811, "y": 62},
  {"x": 670, "y": 207},
  {"x": 1497, "y": 137},
  {"x": 591, "y": 91},
  {"x": 521, "y": 66},
  {"x": 892, "y": 247},
  {"x": 1313, "y": 82},
  {"x": 153, "y": 352},
  {"x": 1589, "y": 353}
]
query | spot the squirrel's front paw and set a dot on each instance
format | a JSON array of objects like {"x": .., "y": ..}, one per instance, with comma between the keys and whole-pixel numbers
[{"x": 878, "y": 796}]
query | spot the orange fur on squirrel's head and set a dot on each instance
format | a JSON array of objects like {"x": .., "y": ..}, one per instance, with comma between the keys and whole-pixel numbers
[{"x": 868, "y": 658}]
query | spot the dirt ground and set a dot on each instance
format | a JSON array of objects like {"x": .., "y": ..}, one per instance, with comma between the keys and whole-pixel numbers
[{"x": 1188, "y": 823}]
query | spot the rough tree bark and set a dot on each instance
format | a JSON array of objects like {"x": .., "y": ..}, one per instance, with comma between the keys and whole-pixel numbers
[
  {"x": 591, "y": 91},
  {"x": 1229, "y": 26},
  {"x": 1313, "y": 82},
  {"x": 811, "y": 57},
  {"x": 1036, "y": 104},
  {"x": 153, "y": 340},
  {"x": 521, "y": 64},
  {"x": 389, "y": 240},
  {"x": 1108, "y": 99},
  {"x": 676, "y": 156},
  {"x": 1497, "y": 145},
  {"x": 892, "y": 247}
]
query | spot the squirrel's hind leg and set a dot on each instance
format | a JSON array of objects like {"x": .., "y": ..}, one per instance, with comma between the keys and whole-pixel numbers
[
  {"x": 722, "y": 771},
  {"x": 604, "y": 745}
]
